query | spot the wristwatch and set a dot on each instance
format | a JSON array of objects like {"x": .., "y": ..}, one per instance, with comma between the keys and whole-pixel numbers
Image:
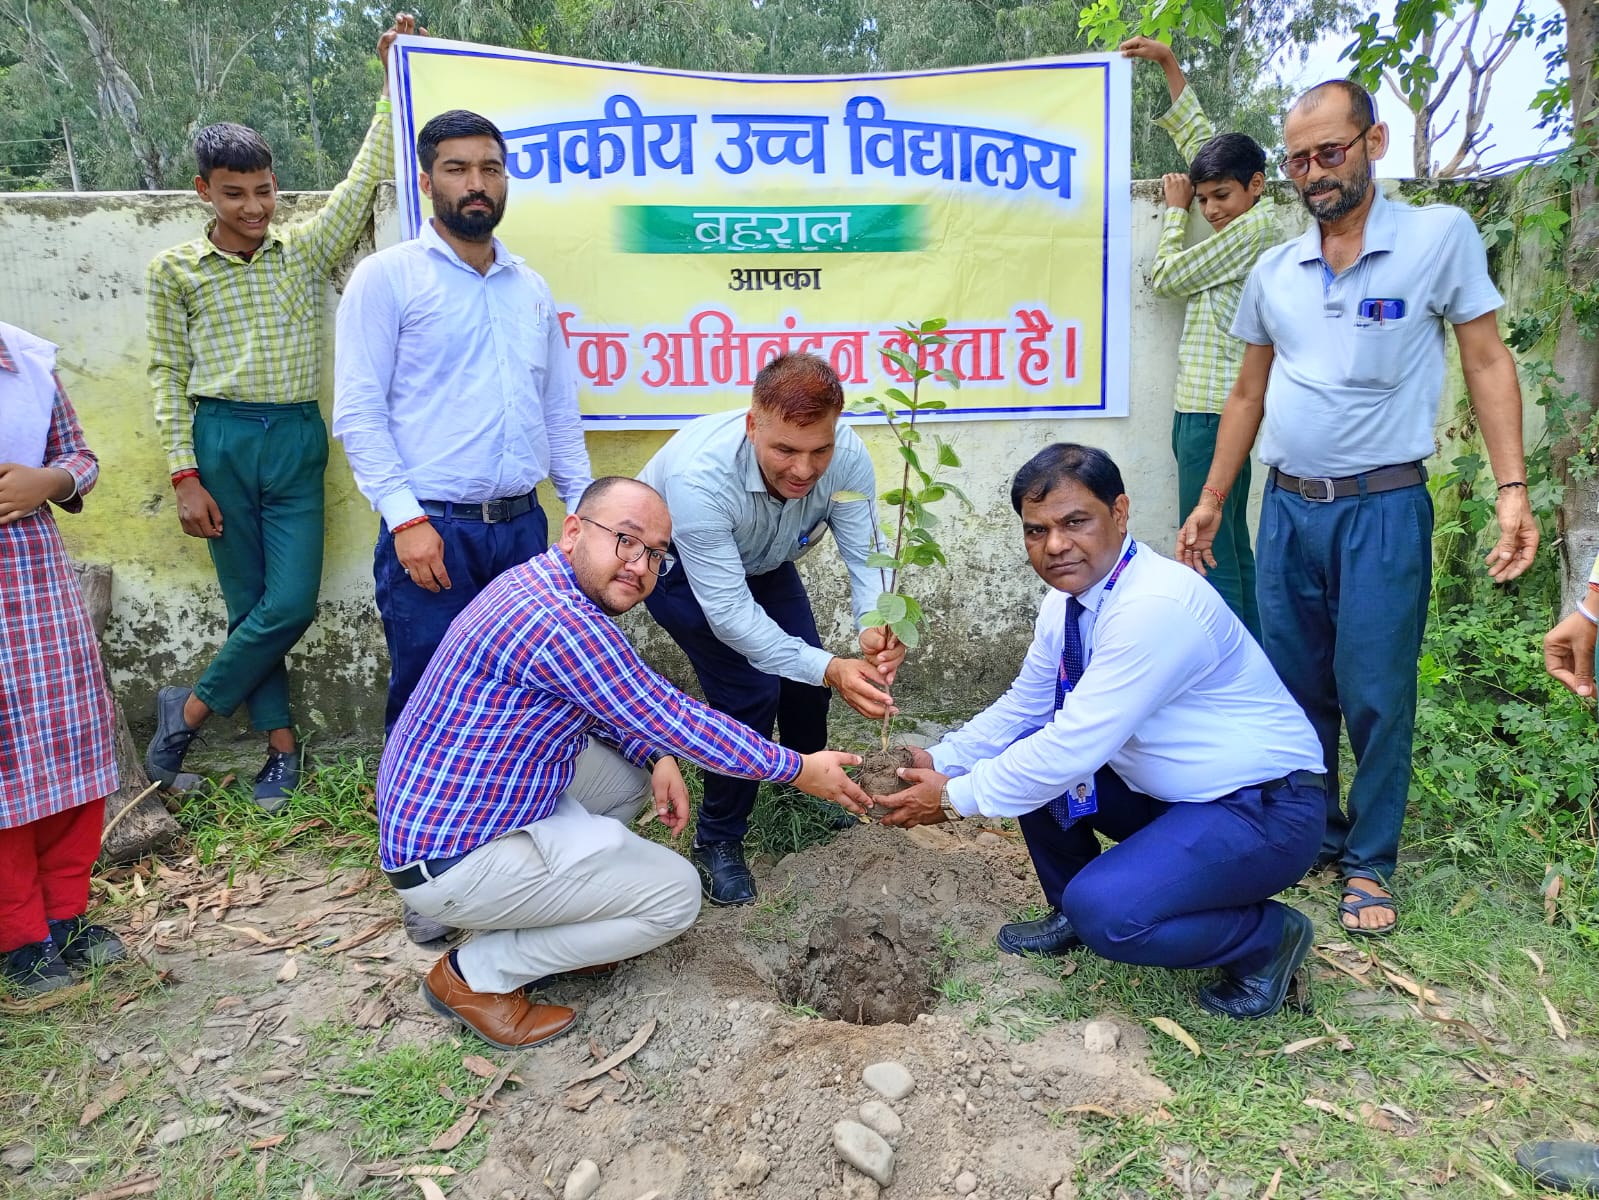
[{"x": 951, "y": 813}]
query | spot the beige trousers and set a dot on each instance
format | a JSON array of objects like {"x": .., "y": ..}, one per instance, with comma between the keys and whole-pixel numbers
[{"x": 575, "y": 889}]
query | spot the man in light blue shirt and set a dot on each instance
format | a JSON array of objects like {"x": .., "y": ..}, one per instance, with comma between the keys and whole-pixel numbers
[
  {"x": 751, "y": 493},
  {"x": 1345, "y": 367},
  {"x": 454, "y": 396},
  {"x": 1204, "y": 770}
]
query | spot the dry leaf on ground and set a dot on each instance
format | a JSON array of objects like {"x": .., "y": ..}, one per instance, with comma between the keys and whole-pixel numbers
[
  {"x": 579, "y": 1101},
  {"x": 1555, "y": 1019},
  {"x": 451, "y": 1137},
  {"x": 1171, "y": 1029},
  {"x": 430, "y": 1190},
  {"x": 176, "y": 1131},
  {"x": 110, "y": 1098},
  {"x": 1271, "y": 1188},
  {"x": 484, "y": 1069},
  {"x": 1536, "y": 961},
  {"x": 625, "y": 1053},
  {"x": 362, "y": 938},
  {"x": 143, "y": 1185},
  {"x": 289, "y": 970}
]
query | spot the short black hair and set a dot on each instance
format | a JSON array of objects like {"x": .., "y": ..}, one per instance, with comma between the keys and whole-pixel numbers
[
  {"x": 1228, "y": 156},
  {"x": 596, "y": 491},
  {"x": 1054, "y": 465},
  {"x": 1362, "y": 104},
  {"x": 231, "y": 147},
  {"x": 457, "y": 123}
]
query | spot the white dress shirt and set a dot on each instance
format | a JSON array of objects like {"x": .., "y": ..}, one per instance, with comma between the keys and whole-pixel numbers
[
  {"x": 451, "y": 385},
  {"x": 1175, "y": 697}
]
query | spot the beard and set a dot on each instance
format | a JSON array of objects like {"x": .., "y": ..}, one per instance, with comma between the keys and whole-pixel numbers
[
  {"x": 1337, "y": 197},
  {"x": 474, "y": 226}
]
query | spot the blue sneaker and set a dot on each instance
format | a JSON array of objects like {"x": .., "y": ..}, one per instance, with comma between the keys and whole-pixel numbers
[{"x": 277, "y": 779}]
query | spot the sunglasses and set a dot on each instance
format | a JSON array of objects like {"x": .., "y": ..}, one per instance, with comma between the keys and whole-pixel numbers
[{"x": 1298, "y": 166}]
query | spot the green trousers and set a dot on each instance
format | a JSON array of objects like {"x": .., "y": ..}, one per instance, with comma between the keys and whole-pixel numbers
[
  {"x": 1193, "y": 443},
  {"x": 263, "y": 465}
]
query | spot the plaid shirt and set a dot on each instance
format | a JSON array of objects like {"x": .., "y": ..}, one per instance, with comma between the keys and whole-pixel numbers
[
  {"x": 56, "y": 717},
  {"x": 525, "y": 674},
  {"x": 1210, "y": 275},
  {"x": 248, "y": 330}
]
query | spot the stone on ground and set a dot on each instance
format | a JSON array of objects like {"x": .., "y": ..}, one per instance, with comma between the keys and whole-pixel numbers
[
  {"x": 864, "y": 1150},
  {"x": 965, "y": 1183},
  {"x": 889, "y": 1080},
  {"x": 1100, "y": 1037},
  {"x": 750, "y": 1170},
  {"x": 583, "y": 1182},
  {"x": 880, "y": 1118}
]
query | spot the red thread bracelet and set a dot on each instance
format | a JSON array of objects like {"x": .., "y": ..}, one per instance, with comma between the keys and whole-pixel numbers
[
  {"x": 1221, "y": 496},
  {"x": 414, "y": 521}
]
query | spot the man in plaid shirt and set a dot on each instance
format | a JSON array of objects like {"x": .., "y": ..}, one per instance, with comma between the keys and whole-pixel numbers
[
  {"x": 532, "y": 739},
  {"x": 235, "y": 355},
  {"x": 1227, "y": 173}
]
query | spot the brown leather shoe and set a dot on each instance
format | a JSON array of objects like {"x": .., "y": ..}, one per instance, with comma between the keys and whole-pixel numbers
[{"x": 507, "y": 1020}]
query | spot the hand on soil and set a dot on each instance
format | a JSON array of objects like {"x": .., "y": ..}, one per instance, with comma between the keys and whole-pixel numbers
[
  {"x": 822, "y": 775},
  {"x": 918, "y": 804}
]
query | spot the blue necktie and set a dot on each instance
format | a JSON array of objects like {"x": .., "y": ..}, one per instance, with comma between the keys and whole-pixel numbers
[{"x": 1071, "y": 671}]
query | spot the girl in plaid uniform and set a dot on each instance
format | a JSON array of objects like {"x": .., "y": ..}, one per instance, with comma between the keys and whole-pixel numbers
[{"x": 57, "y": 764}]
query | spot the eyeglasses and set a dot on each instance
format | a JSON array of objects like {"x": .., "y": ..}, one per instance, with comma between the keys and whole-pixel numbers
[
  {"x": 629, "y": 549},
  {"x": 1298, "y": 166}
]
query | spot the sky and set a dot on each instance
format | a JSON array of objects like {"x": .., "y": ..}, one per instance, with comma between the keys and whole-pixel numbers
[{"x": 1513, "y": 134}]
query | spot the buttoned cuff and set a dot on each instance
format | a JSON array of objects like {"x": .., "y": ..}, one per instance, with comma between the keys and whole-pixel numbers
[{"x": 399, "y": 507}]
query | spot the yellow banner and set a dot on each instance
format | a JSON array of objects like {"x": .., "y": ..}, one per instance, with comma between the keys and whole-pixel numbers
[{"x": 694, "y": 226}]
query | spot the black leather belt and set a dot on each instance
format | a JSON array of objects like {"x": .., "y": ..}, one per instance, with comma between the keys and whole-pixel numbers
[
  {"x": 1324, "y": 490},
  {"x": 1293, "y": 778},
  {"x": 490, "y": 512},
  {"x": 422, "y": 872}
]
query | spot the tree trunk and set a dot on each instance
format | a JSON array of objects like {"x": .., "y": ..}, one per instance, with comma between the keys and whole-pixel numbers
[
  {"x": 120, "y": 98},
  {"x": 148, "y": 828},
  {"x": 1576, "y": 351}
]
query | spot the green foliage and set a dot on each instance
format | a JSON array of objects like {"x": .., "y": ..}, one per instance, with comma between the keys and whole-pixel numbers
[
  {"x": 304, "y": 72},
  {"x": 909, "y": 527}
]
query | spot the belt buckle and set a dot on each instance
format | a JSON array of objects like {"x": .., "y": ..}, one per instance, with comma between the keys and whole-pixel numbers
[
  {"x": 491, "y": 511},
  {"x": 1327, "y": 485}
]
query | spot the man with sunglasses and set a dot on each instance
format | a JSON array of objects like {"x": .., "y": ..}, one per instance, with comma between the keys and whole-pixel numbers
[
  {"x": 533, "y": 739},
  {"x": 1342, "y": 375}
]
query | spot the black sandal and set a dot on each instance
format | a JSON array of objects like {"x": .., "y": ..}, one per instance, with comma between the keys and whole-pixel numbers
[{"x": 1366, "y": 900}]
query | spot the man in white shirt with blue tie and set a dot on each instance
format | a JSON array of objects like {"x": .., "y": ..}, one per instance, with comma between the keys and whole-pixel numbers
[
  {"x": 1205, "y": 772},
  {"x": 454, "y": 396}
]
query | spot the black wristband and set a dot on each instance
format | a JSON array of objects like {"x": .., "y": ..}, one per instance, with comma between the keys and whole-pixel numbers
[{"x": 1513, "y": 483}]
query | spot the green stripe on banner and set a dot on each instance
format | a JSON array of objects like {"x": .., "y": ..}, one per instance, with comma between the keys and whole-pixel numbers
[{"x": 777, "y": 229}]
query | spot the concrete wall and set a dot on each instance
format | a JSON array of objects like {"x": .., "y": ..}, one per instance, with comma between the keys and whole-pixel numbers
[{"x": 72, "y": 270}]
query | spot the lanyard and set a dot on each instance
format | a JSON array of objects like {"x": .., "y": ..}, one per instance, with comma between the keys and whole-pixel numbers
[{"x": 1062, "y": 684}]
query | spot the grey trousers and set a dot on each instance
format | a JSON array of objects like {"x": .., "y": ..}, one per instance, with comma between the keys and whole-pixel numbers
[{"x": 576, "y": 889}]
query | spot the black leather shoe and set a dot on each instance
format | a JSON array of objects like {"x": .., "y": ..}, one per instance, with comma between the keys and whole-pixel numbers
[
  {"x": 163, "y": 759},
  {"x": 723, "y": 874},
  {"x": 85, "y": 945},
  {"x": 34, "y": 969},
  {"x": 1249, "y": 996},
  {"x": 1052, "y": 935},
  {"x": 1564, "y": 1166}
]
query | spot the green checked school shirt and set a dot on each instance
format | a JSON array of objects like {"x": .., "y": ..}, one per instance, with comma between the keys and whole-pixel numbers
[
  {"x": 249, "y": 330},
  {"x": 1210, "y": 275}
]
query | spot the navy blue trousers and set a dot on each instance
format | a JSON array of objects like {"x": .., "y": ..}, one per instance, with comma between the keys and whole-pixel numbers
[
  {"x": 1186, "y": 885},
  {"x": 1343, "y": 591},
  {"x": 733, "y": 687},
  {"x": 415, "y": 620}
]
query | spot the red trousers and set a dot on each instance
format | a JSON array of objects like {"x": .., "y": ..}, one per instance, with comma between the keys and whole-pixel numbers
[{"x": 44, "y": 872}]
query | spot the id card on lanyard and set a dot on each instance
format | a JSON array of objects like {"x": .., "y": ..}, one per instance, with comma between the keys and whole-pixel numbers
[{"x": 1081, "y": 799}]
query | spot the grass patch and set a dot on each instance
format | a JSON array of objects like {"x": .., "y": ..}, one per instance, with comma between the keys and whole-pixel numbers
[{"x": 333, "y": 814}]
